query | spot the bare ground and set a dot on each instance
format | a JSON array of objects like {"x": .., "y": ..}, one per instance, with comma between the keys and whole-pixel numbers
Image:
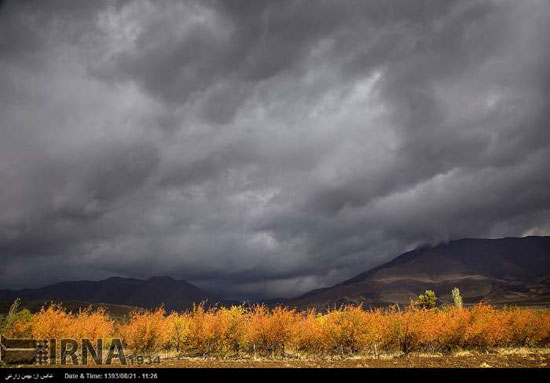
[
  {"x": 502, "y": 358},
  {"x": 521, "y": 359}
]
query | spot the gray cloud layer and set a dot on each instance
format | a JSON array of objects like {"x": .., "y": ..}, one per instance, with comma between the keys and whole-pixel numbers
[{"x": 264, "y": 148}]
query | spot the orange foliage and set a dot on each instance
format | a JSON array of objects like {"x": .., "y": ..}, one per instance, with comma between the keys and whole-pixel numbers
[
  {"x": 275, "y": 332},
  {"x": 52, "y": 322},
  {"x": 308, "y": 336},
  {"x": 146, "y": 331},
  {"x": 345, "y": 330},
  {"x": 92, "y": 325},
  {"x": 270, "y": 332}
]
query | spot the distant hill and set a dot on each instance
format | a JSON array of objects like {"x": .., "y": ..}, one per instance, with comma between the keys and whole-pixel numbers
[
  {"x": 500, "y": 271},
  {"x": 513, "y": 271},
  {"x": 151, "y": 293}
]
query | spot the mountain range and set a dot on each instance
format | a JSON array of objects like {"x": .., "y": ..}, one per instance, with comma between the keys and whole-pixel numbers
[
  {"x": 514, "y": 271},
  {"x": 151, "y": 293}
]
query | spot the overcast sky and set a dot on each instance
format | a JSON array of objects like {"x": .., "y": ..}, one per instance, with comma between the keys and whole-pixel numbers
[{"x": 265, "y": 148}]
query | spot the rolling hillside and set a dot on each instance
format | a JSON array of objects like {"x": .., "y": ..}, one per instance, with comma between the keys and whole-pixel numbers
[
  {"x": 153, "y": 292},
  {"x": 499, "y": 271}
]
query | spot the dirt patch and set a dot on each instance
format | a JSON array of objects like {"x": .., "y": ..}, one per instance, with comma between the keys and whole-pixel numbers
[
  {"x": 503, "y": 358},
  {"x": 533, "y": 360}
]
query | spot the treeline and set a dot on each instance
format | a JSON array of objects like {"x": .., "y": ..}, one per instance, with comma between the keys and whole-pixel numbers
[{"x": 283, "y": 332}]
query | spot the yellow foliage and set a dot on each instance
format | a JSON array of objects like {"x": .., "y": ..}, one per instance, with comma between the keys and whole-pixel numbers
[
  {"x": 146, "y": 331},
  {"x": 279, "y": 331}
]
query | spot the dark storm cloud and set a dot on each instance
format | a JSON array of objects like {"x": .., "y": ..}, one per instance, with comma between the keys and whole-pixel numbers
[{"x": 264, "y": 148}]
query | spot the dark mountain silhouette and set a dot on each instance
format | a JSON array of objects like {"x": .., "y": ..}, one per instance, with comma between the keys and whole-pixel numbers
[
  {"x": 499, "y": 271},
  {"x": 151, "y": 293}
]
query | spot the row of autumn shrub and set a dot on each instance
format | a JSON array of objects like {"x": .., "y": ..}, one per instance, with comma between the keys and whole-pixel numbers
[{"x": 281, "y": 331}]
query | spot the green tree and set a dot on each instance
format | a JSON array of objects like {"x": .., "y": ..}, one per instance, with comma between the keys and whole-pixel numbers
[
  {"x": 14, "y": 314},
  {"x": 426, "y": 300}
]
